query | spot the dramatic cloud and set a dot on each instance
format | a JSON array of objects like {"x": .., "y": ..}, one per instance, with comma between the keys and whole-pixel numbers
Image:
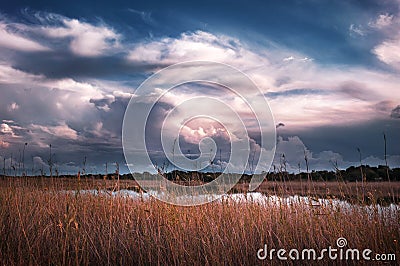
[
  {"x": 396, "y": 112},
  {"x": 344, "y": 87},
  {"x": 10, "y": 39},
  {"x": 6, "y": 129},
  {"x": 292, "y": 153},
  {"x": 66, "y": 81},
  {"x": 60, "y": 131},
  {"x": 85, "y": 39},
  {"x": 198, "y": 45}
]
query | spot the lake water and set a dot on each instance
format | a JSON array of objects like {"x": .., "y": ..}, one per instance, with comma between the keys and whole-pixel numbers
[{"x": 262, "y": 199}]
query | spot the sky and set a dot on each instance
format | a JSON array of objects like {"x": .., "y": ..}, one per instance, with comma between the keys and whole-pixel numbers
[{"x": 330, "y": 71}]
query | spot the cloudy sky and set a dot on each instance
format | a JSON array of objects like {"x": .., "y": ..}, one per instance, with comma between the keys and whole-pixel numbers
[{"x": 330, "y": 71}]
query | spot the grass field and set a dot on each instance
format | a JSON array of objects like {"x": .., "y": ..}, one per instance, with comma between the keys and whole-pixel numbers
[{"x": 42, "y": 223}]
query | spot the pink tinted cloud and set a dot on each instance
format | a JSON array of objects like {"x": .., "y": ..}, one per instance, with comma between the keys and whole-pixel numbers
[{"x": 197, "y": 129}]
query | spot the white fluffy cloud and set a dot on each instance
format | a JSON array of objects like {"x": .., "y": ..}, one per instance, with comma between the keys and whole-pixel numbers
[
  {"x": 62, "y": 130},
  {"x": 195, "y": 130},
  {"x": 81, "y": 90},
  {"x": 6, "y": 129},
  {"x": 14, "y": 40},
  {"x": 305, "y": 90},
  {"x": 382, "y": 21},
  {"x": 302, "y": 92},
  {"x": 389, "y": 52},
  {"x": 86, "y": 39},
  {"x": 292, "y": 153},
  {"x": 279, "y": 70},
  {"x": 197, "y": 45}
]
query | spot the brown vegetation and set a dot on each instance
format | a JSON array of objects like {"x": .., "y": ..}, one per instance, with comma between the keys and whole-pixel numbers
[{"x": 41, "y": 223}]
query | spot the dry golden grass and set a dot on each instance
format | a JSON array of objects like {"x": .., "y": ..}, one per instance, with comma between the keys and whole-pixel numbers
[{"x": 42, "y": 224}]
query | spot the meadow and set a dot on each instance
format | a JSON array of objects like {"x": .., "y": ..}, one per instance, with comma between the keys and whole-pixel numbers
[{"x": 46, "y": 221}]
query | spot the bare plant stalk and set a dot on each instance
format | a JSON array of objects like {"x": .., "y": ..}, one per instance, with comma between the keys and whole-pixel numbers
[
  {"x": 308, "y": 173},
  {"x": 106, "y": 171},
  {"x": 362, "y": 176},
  {"x": 79, "y": 183},
  {"x": 173, "y": 160},
  {"x": 117, "y": 172},
  {"x": 220, "y": 160},
  {"x": 50, "y": 163},
  {"x": 386, "y": 163},
  {"x": 23, "y": 159},
  {"x": 84, "y": 166},
  {"x": 19, "y": 162},
  {"x": 10, "y": 168},
  {"x": 33, "y": 167},
  {"x": 4, "y": 166}
]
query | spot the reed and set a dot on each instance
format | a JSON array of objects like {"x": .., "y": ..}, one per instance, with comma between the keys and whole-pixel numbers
[{"x": 41, "y": 223}]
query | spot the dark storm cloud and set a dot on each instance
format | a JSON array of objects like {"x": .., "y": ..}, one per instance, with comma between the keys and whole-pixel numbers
[
  {"x": 61, "y": 64},
  {"x": 112, "y": 120},
  {"x": 344, "y": 140},
  {"x": 75, "y": 129},
  {"x": 57, "y": 47},
  {"x": 338, "y": 145},
  {"x": 38, "y": 104},
  {"x": 395, "y": 112}
]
